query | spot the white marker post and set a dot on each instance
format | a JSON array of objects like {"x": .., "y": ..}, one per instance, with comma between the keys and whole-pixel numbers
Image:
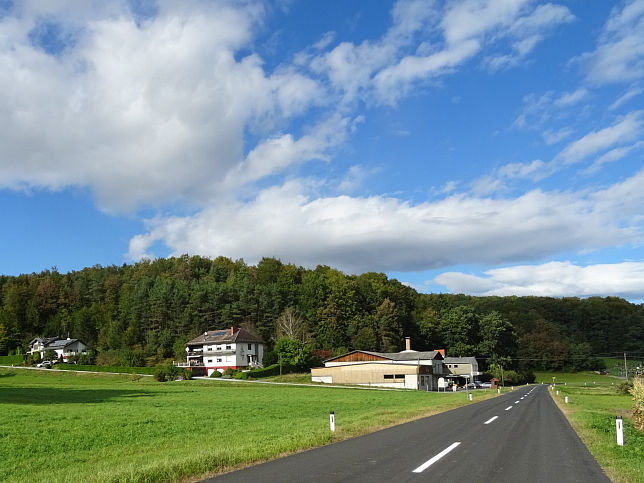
[
  {"x": 332, "y": 420},
  {"x": 620, "y": 431},
  {"x": 470, "y": 396},
  {"x": 566, "y": 399}
]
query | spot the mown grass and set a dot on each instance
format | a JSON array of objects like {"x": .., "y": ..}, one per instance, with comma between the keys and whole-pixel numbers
[
  {"x": 593, "y": 404},
  {"x": 62, "y": 426}
]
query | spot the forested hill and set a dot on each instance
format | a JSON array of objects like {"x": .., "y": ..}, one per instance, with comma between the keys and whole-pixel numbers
[{"x": 148, "y": 310}]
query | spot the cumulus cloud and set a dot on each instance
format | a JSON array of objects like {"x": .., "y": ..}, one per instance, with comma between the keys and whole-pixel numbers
[
  {"x": 377, "y": 233},
  {"x": 142, "y": 112},
  {"x": 553, "y": 279}
]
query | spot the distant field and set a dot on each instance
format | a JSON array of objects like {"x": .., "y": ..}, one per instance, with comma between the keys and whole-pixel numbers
[
  {"x": 594, "y": 402},
  {"x": 61, "y": 426}
]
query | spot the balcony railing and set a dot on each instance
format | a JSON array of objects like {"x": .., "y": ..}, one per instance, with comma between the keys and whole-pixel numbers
[{"x": 218, "y": 352}]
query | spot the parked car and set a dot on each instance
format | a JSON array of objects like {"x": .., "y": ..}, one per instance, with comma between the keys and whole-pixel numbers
[
  {"x": 485, "y": 385},
  {"x": 45, "y": 364}
]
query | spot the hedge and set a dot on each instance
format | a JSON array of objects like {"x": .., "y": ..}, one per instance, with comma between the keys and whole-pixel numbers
[
  {"x": 9, "y": 360},
  {"x": 273, "y": 370},
  {"x": 120, "y": 369}
]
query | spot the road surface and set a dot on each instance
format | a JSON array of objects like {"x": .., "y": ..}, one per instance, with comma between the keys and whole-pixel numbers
[{"x": 519, "y": 436}]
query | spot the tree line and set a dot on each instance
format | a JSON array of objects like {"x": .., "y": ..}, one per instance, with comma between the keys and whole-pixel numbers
[{"x": 143, "y": 313}]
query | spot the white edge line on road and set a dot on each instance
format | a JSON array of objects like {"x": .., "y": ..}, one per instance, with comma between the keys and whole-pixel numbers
[
  {"x": 430, "y": 462},
  {"x": 508, "y": 408},
  {"x": 516, "y": 402},
  {"x": 490, "y": 420}
]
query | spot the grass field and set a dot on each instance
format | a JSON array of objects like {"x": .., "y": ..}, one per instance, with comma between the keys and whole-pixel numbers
[
  {"x": 62, "y": 426},
  {"x": 593, "y": 405}
]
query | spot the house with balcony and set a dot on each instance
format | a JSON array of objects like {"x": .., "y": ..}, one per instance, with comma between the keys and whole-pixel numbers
[
  {"x": 218, "y": 350},
  {"x": 61, "y": 346}
]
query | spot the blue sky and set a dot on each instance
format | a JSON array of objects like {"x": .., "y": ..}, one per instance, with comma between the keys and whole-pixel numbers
[{"x": 481, "y": 147}]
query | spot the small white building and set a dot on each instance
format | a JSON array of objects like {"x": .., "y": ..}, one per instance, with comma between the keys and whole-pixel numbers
[
  {"x": 62, "y": 347},
  {"x": 218, "y": 350}
]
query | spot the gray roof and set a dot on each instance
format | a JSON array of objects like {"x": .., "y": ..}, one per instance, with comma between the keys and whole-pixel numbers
[
  {"x": 460, "y": 360},
  {"x": 60, "y": 343},
  {"x": 225, "y": 336}
]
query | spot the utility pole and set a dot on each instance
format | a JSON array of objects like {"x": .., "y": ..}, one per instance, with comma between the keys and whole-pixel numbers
[{"x": 625, "y": 367}]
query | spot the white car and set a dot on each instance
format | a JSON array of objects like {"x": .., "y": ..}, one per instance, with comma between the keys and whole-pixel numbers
[{"x": 44, "y": 364}]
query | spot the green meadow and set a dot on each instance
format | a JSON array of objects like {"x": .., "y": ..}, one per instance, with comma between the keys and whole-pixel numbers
[
  {"x": 62, "y": 426},
  {"x": 593, "y": 403}
]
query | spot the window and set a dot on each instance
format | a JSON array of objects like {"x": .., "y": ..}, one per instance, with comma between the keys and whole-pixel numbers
[
  {"x": 250, "y": 346},
  {"x": 455, "y": 366},
  {"x": 228, "y": 347},
  {"x": 218, "y": 359},
  {"x": 218, "y": 347},
  {"x": 400, "y": 376}
]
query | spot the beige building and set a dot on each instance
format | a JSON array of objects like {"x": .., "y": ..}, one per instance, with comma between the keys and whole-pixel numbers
[
  {"x": 461, "y": 369},
  {"x": 405, "y": 370}
]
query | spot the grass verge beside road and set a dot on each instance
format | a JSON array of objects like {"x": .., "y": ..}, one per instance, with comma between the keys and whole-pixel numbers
[
  {"x": 593, "y": 404},
  {"x": 62, "y": 426}
]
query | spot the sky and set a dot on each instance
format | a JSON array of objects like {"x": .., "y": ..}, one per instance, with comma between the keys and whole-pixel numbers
[{"x": 489, "y": 147}]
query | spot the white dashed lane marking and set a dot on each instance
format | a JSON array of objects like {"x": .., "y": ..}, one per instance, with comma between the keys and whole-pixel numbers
[
  {"x": 490, "y": 420},
  {"x": 433, "y": 460}
]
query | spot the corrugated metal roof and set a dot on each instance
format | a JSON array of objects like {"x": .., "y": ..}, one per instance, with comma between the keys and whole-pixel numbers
[{"x": 397, "y": 356}]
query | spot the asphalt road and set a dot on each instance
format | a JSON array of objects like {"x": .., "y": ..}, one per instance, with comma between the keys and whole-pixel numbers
[{"x": 517, "y": 437}]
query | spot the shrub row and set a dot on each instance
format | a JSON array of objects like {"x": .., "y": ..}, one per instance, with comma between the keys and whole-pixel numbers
[
  {"x": 272, "y": 370},
  {"x": 119, "y": 369},
  {"x": 8, "y": 360}
]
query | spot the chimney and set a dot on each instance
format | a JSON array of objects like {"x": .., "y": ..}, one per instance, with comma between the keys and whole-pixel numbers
[
  {"x": 232, "y": 331},
  {"x": 407, "y": 344}
]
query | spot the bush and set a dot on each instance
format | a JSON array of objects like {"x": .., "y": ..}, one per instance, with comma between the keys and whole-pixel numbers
[
  {"x": 294, "y": 353},
  {"x": 168, "y": 372},
  {"x": 229, "y": 372},
  {"x": 160, "y": 374},
  {"x": 186, "y": 374},
  {"x": 241, "y": 375},
  {"x": 215, "y": 374},
  {"x": 638, "y": 399},
  {"x": 625, "y": 387}
]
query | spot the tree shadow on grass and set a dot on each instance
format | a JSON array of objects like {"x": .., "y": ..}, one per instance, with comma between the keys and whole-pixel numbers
[
  {"x": 52, "y": 395},
  {"x": 7, "y": 374}
]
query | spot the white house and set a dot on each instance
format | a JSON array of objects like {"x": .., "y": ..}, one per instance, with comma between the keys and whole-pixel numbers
[
  {"x": 217, "y": 350},
  {"x": 62, "y": 347},
  {"x": 461, "y": 369}
]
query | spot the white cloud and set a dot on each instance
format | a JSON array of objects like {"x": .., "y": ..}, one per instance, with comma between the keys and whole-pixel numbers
[
  {"x": 570, "y": 98},
  {"x": 619, "y": 55},
  {"x": 555, "y": 279},
  {"x": 553, "y": 137},
  {"x": 612, "y": 156},
  {"x": 627, "y": 96},
  {"x": 627, "y": 129},
  {"x": 376, "y": 233},
  {"x": 142, "y": 112}
]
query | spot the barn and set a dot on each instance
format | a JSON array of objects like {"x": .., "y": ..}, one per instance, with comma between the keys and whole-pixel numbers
[{"x": 405, "y": 370}]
